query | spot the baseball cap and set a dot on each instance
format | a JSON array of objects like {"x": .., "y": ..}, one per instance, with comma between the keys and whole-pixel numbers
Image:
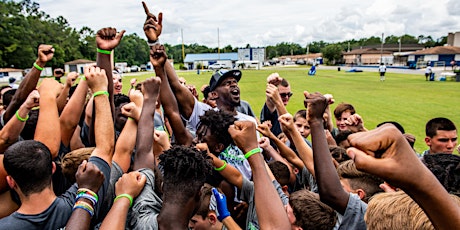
[{"x": 220, "y": 75}]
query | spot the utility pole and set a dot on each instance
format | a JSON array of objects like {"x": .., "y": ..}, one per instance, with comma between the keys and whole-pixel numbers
[
  {"x": 183, "y": 50},
  {"x": 218, "y": 43},
  {"x": 381, "y": 51}
]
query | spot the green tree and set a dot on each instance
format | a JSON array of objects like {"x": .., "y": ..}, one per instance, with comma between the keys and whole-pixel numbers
[{"x": 332, "y": 53}]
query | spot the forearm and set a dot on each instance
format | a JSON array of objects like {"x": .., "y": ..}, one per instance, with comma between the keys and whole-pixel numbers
[
  {"x": 144, "y": 157},
  {"x": 329, "y": 187},
  {"x": 79, "y": 220},
  {"x": 116, "y": 218},
  {"x": 70, "y": 116},
  {"x": 289, "y": 154},
  {"x": 11, "y": 131},
  {"x": 270, "y": 211},
  {"x": 185, "y": 99},
  {"x": 104, "y": 129},
  {"x": 305, "y": 152},
  {"x": 171, "y": 109},
  {"x": 125, "y": 145},
  {"x": 62, "y": 98},
  {"x": 280, "y": 108},
  {"x": 48, "y": 129},
  {"x": 230, "y": 173},
  {"x": 104, "y": 62},
  {"x": 28, "y": 84}
]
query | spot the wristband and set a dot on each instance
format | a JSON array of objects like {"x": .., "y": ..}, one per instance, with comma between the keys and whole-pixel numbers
[
  {"x": 130, "y": 198},
  {"x": 130, "y": 118},
  {"x": 152, "y": 43},
  {"x": 221, "y": 167},
  {"x": 86, "y": 196},
  {"x": 252, "y": 152},
  {"x": 20, "y": 118},
  {"x": 85, "y": 206},
  {"x": 89, "y": 192},
  {"x": 100, "y": 93},
  {"x": 37, "y": 66},
  {"x": 103, "y": 51},
  {"x": 83, "y": 78}
]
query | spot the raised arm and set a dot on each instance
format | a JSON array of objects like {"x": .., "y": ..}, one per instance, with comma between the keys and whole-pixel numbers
[
  {"x": 48, "y": 128},
  {"x": 11, "y": 131},
  {"x": 168, "y": 100},
  {"x": 103, "y": 123},
  {"x": 305, "y": 152},
  {"x": 62, "y": 99},
  {"x": 127, "y": 139},
  {"x": 70, "y": 116},
  {"x": 270, "y": 211},
  {"x": 129, "y": 186},
  {"x": 45, "y": 54},
  {"x": 144, "y": 157},
  {"x": 329, "y": 187},
  {"x": 400, "y": 167}
]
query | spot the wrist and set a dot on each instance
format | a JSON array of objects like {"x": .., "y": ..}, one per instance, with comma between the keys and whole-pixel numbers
[
  {"x": 153, "y": 42},
  {"x": 40, "y": 63}
]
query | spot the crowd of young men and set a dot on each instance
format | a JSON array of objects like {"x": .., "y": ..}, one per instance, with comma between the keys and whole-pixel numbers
[{"x": 160, "y": 159}]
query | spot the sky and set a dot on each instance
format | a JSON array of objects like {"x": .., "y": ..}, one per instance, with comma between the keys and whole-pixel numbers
[{"x": 265, "y": 22}]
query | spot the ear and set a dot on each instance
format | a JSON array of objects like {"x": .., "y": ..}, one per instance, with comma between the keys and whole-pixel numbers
[
  {"x": 428, "y": 141},
  {"x": 285, "y": 189},
  {"x": 361, "y": 193},
  {"x": 212, "y": 218},
  {"x": 54, "y": 167},
  {"x": 11, "y": 182}
]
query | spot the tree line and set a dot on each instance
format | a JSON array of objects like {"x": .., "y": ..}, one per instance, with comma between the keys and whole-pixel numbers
[{"x": 24, "y": 26}]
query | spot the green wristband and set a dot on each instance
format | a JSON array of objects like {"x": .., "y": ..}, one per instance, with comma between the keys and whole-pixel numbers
[
  {"x": 37, "y": 66},
  {"x": 100, "y": 93},
  {"x": 252, "y": 152},
  {"x": 20, "y": 118},
  {"x": 221, "y": 167},
  {"x": 103, "y": 51},
  {"x": 130, "y": 198}
]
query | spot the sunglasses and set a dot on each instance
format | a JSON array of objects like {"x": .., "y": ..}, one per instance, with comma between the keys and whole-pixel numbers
[{"x": 286, "y": 94}]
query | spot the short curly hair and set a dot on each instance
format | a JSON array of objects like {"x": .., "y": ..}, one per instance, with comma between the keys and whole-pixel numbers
[{"x": 218, "y": 123}]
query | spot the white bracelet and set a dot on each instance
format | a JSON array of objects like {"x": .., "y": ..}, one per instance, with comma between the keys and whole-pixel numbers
[{"x": 153, "y": 43}]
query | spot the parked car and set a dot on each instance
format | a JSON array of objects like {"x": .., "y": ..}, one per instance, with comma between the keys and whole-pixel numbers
[
  {"x": 216, "y": 66},
  {"x": 135, "y": 68},
  {"x": 300, "y": 62},
  {"x": 143, "y": 67}
]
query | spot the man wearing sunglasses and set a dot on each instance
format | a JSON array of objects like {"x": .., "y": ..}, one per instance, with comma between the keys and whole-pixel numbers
[{"x": 276, "y": 86}]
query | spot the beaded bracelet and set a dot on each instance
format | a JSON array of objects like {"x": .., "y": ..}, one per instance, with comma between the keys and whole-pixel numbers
[
  {"x": 252, "y": 152},
  {"x": 20, "y": 118},
  {"x": 100, "y": 93},
  {"x": 85, "y": 206},
  {"x": 37, "y": 66},
  {"x": 221, "y": 167},
  {"x": 130, "y": 198},
  {"x": 103, "y": 51}
]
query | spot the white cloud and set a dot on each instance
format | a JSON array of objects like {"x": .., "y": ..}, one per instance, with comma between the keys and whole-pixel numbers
[{"x": 262, "y": 23}]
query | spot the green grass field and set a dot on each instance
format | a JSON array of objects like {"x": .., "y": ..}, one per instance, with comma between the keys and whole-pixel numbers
[{"x": 405, "y": 98}]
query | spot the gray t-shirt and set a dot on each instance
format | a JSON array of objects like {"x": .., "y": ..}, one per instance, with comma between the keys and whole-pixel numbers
[
  {"x": 59, "y": 212},
  {"x": 353, "y": 218},
  {"x": 147, "y": 206},
  {"x": 247, "y": 194}
]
